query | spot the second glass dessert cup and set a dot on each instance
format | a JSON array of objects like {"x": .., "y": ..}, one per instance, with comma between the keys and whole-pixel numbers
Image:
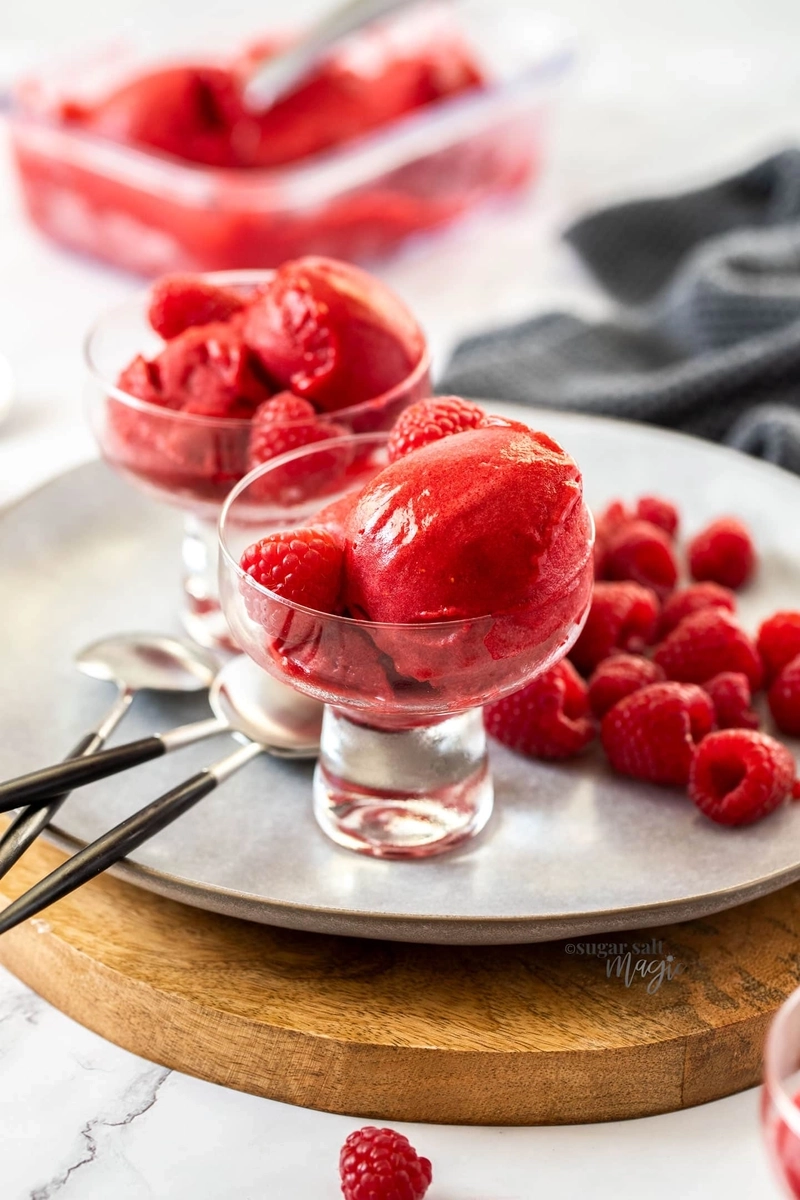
[
  {"x": 780, "y": 1099},
  {"x": 192, "y": 461},
  {"x": 403, "y": 769}
]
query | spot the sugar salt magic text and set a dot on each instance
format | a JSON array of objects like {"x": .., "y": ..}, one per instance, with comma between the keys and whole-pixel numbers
[{"x": 654, "y": 970}]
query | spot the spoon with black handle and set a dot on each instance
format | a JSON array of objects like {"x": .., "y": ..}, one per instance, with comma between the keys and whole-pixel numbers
[
  {"x": 134, "y": 662},
  {"x": 266, "y": 726},
  {"x": 248, "y": 690}
]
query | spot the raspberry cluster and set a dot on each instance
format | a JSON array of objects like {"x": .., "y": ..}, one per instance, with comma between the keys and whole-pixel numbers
[
  {"x": 658, "y": 671},
  {"x": 669, "y": 674}
]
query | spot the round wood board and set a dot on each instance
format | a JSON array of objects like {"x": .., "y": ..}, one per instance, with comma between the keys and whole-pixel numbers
[{"x": 537, "y": 1034}]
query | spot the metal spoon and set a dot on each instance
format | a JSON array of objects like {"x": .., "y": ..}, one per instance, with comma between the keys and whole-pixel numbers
[
  {"x": 268, "y": 712},
  {"x": 247, "y": 694},
  {"x": 274, "y": 77},
  {"x": 134, "y": 662}
]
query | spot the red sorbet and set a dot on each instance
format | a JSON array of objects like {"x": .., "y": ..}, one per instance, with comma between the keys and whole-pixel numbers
[
  {"x": 196, "y": 111},
  {"x": 462, "y": 528},
  {"x": 189, "y": 112},
  {"x": 332, "y": 333},
  {"x": 208, "y": 368}
]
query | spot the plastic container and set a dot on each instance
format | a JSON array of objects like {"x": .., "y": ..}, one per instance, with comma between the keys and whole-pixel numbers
[{"x": 150, "y": 213}]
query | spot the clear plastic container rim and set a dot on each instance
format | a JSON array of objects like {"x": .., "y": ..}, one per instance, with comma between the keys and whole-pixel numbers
[{"x": 330, "y": 172}]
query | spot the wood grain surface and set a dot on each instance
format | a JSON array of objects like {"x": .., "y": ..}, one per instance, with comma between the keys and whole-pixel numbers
[{"x": 498, "y": 1035}]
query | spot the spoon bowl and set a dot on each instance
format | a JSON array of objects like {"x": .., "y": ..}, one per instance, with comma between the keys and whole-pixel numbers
[
  {"x": 260, "y": 709},
  {"x": 139, "y": 661}
]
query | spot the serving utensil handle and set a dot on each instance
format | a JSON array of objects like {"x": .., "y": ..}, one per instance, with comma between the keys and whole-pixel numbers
[
  {"x": 49, "y": 782},
  {"x": 272, "y": 78},
  {"x": 123, "y": 838},
  {"x": 25, "y": 828}
]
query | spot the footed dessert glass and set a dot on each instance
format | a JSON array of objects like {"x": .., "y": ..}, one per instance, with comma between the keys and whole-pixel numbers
[
  {"x": 780, "y": 1114},
  {"x": 191, "y": 461},
  {"x": 403, "y": 769}
]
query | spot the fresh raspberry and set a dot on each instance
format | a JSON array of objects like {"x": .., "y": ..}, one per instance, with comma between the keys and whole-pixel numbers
[
  {"x": 652, "y": 733},
  {"x": 606, "y": 523},
  {"x": 739, "y": 776},
  {"x": 778, "y": 642},
  {"x": 284, "y": 409},
  {"x": 705, "y": 644},
  {"x": 659, "y": 512},
  {"x": 612, "y": 517},
  {"x": 380, "y": 1164},
  {"x": 784, "y": 699},
  {"x": 731, "y": 697},
  {"x": 685, "y": 601},
  {"x": 643, "y": 553},
  {"x": 619, "y": 676},
  {"x": 549, "y": 718},
  {"x": 623, "y": 616},
  {"x": 285, "y": 423},
  {"x": 722, "y": 552},
  {"x": 302, "y": 565},
  {"x": 179, "y": 301},
  {"x": 429, "y": 420}
]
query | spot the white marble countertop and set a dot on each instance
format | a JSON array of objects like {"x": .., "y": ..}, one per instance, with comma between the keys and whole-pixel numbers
[{"x": 665, "y": 97}]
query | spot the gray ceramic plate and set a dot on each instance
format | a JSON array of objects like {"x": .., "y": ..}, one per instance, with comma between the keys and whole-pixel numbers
[{"x": 571, "y": 849}]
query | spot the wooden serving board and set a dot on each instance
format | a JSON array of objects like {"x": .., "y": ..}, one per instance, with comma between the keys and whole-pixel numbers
[{"x": 500, "y": 1035}]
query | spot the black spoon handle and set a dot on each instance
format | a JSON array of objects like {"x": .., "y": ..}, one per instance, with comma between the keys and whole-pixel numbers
[
  {"x": 25, "y": 828},
  {"x": 122, "y": 839},
  {"x": 50, "y": 782}
]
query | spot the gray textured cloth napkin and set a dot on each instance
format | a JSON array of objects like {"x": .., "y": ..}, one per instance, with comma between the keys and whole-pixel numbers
[{"x": 706, "y": 332}]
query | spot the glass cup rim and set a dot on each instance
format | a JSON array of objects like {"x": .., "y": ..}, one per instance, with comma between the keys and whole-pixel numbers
[
  {"x": 226, "y": 279},
  {"x": 353, "y": 439},
  {"x": 776, "y": 1037}
]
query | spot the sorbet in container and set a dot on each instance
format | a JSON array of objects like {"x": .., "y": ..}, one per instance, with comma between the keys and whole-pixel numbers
[{"x": 414, "y": 125}]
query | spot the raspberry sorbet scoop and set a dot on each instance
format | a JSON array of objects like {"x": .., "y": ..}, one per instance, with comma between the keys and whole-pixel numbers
[
  {"x": 482, "y": 522},
  {"x": 332, "y": 333}
]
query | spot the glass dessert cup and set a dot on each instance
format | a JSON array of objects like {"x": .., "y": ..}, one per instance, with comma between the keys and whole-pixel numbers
[
  {"x": 191, "y": 461},
  {"x": 403, "y": 769},
  {"x": 780, "y": 1114}
]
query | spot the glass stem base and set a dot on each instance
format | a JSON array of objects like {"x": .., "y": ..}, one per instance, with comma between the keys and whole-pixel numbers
[
  {"x": 201, "y": 615},
  {"x": 406, "y": 793}
]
